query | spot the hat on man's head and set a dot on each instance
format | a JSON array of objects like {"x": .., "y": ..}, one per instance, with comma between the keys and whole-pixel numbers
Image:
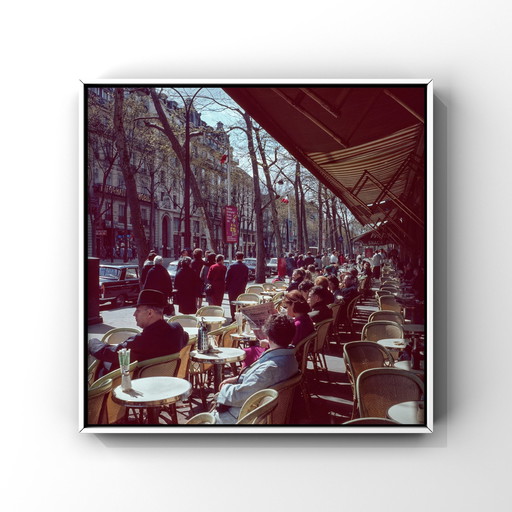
[{"x": 151, "y": 298}]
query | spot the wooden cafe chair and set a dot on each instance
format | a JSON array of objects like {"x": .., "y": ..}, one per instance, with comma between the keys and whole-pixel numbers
[
  {"x": 184, "y": 320},
  {"x": 287, "y": 390},
  {"x": 392, "y": 316},
  {"x": 203, "y": 418},
  {"x": 119, "y": 334},
  {"x": 255, "y": 288},
  {"x": 97, "y": 403}
]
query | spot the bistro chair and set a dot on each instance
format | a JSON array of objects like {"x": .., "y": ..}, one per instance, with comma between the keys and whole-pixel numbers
[
  {"x": 338, "y": 311},
  {"x": 280, "y": 286},
  {"x": 377, "y": 389},
  {"x": 119, "y": 334},
  {"x": 380, "y": 293},
  {"x": 392, "y": 316},
  {"x": 287, "y": 390},
  {"x": 348, "y": 320},
  {"x": 165, "y": 366},
  {"x": 115, "y": 412},
  {"x": 184, "y": 320},
  {"x": 390, "y": 288},
  {"x": 381, "y": 330},
  {"x": 370, "y": 421},
  {"x": 255, "y": 288},
  {"x": 302, "y": 351},
  {"x": 210, "y": 311},
  {"x": 250, "y": 297},
  {"x": 268, "y": 287},
  {"x": 360, "y": 356},
  {"x": 203, "y": 418},
  {"x": 389, "y": 303},
  {"x": 97, "y": 403},
  {"x": 317, "y": 353},
  {"x": 91, "y": 372},
  {"x": 258, "y": 408}
]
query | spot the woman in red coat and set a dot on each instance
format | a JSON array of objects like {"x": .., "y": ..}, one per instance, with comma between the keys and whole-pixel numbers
[{"x": 216, "y": 277}]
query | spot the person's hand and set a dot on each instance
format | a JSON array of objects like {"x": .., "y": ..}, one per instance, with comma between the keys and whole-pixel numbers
[
  {"x": 230, "y": 380},
  {"x": 264, "y": 343}
]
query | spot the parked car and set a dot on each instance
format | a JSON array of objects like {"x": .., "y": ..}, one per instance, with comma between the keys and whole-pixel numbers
[
  {"x": 251, "y": 263},
  {"x": 172, "y": 268},
  {"x": 119, "y": 284},
  {"x": 272, "y": 267}
]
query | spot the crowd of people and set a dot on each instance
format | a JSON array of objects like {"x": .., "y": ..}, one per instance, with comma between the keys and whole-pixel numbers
[{"x": 314, "y": 284}]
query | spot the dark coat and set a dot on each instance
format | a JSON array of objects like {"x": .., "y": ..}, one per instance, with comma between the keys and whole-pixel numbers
[
  {"x": 237, "y": 277},
  {"x": 216, "y": 276},
  {"x": 157, "y": 340},
  {"x": 188, "y": 288},
  {"x": 159, "y": 279},
  {"x": 320, "y": 312}
]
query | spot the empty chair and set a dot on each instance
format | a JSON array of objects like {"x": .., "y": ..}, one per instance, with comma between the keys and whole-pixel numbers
[
  {"x": 97, "y": 403},
  {"x": 280, "y": 285},
  {"x": 258, "y": 408},
  {"x": 164, "y": 366},
  {"x": 210, "y": 311},
  {"x": 255, "y": 288},
  {"x": 287, "y": 390},
  {"x": 302, "y": 351},
  {"x": 203, "y": 418},
  {"x": 119, "y": 334},
  {"x": 184, "y": 320},
  {"x": 377, "y": 389},
  {"x": 254, "y": 297},
  {"x": 381, "y": 330},
  {"x": 391, "y": 316},
  {"x": 360, "y": 356},
  {"x": 351, "y": 306},
  {"x": 268, "y": 287},
  {"x": 318, "y": 350},
  {"x": 389, "y": 303}
]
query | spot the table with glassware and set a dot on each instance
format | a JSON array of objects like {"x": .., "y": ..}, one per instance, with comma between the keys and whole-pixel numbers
[
  {"x": 218, "y": 356},
  {"x": 152, "y": 393}
]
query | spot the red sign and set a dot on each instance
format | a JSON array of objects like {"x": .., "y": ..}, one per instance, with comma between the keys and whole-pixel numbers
[{"x": 231, "y": 224}]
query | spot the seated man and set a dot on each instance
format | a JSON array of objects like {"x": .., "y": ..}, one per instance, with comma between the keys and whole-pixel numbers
[
  {"x": 318, "y": 301},
  {"x": 158, "y": 338},
  {"x": 349, "y": 289},
  {"x": 274, "y": 365}
]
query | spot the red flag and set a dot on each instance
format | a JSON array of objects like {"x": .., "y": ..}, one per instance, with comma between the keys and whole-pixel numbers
[
  {"x": 224, "y": 159},
  {"x": 284, "y": 200}
]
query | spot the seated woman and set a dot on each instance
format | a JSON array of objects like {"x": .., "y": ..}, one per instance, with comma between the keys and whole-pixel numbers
[
  {"x": 318, "y": 301},
  {"x": 275, "y": 365},
  {"x": 324, "y": 282},
  {"x": 334, "y": 287},
  {"x": 304, "y": 288},
  {"x": 298, "y": 309}
]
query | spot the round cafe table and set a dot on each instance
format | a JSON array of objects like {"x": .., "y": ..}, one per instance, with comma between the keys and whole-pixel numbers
[
  {"x": 151, "y": 393},
  {"x": 191, "y": 331},
  {"x": 222, "y": 356},
  {"x": 394, "y": 343},
  {"x": 408, "y": 413}
]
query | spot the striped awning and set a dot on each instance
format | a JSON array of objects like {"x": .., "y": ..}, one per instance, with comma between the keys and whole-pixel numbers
[{"x": 365, "y": 143}]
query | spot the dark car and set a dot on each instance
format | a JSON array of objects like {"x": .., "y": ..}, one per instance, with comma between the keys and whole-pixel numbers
[
  {"x": 119, "y": 284},
  {"x": 251, "y": 263}
]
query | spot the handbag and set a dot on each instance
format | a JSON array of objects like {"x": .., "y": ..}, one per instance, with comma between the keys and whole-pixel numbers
[{"x": 208, "y": 289}]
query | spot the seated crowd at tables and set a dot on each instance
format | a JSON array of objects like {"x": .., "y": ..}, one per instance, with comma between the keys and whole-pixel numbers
[{"x": 312, "y": 288}]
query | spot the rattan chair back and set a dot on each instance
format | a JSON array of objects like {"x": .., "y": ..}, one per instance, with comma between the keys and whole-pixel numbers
[
  {"x": 115, "y": 412},
  {"x": 250, "y": 297},
  {"x": 268, "y": 287},
  {"x": 362, "y": 355},
  {"x": 391, "y": 316},
  {"x": 254, "y": 288},
  {"x": 389, "y": 303},
  {"x": 210, "y": 311},
  {"x": 184, "y": 320},
  {"x": 381, "y": 330},
  {"x": 184, "y": 367},
  {"x": 119, "y": 334},
  {"x": 287, "y": 390},
  {"x": 377, "y": 389},
  {"x": 97, "y": 403},
  {"x": 280, "y": 285},
  {"x": 258, "y": 408},
  {"x": 165, "y": 366},
  {"x": 203, "y": 418},
  {"x": 91, "y": 372},
  {"x": 371, "y": 421}
]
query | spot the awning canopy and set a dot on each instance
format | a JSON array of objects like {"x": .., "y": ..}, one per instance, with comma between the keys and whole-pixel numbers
[{"x": 365, "y": 143}]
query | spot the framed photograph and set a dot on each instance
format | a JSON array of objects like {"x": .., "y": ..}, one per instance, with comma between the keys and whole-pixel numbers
[{"x": 257, "y": 256}]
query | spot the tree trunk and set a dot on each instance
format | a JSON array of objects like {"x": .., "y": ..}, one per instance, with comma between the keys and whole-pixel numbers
[
  {"x": 258, "y": 213},
  {"x": 129, "y": 178},
  {"x": 272, "y": 197},
  {"x": 320, "y": 220}
]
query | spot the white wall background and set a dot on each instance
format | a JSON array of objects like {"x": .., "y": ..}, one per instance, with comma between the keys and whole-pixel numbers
[{"x": 48, "y": 46}]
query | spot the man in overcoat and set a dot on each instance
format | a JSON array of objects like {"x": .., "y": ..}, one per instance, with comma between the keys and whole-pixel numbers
[{"x": 237, "y": 277}]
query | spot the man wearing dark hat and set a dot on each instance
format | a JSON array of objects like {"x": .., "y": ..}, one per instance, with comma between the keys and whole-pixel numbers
[{"x": 158, "y": 338}]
